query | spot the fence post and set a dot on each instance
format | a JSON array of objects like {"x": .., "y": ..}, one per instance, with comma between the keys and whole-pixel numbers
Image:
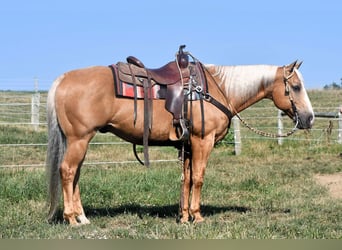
[
  {"x": 237, "y": 135},
  {"x": 280, "y": 127},
  {"x": 35, "y": 104},
  {"x": 339, "y": 138}
]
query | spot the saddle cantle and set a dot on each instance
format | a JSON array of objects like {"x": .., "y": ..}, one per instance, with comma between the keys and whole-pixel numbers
[
  {"x": 135, "y": 61},
  {"x": 173, "y": 82},
  {"x": 165, "y": 75}
]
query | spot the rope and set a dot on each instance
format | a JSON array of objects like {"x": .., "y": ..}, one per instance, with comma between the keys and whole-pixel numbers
[{"x": 268, "y": 134}]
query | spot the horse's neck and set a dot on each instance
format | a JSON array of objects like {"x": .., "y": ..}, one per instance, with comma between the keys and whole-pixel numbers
[{"x": 244, "y": 85}]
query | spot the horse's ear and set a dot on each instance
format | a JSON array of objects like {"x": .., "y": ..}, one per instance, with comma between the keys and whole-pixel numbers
[
  {"x": 292, "y": 66},
  {"x": 299, "y": 64}
]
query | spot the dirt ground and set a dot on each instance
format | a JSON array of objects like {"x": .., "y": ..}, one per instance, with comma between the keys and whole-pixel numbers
[{"x": 331, "y": 181}]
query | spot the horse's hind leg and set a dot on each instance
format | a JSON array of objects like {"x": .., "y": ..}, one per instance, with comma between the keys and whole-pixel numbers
[
  {"x": 80, "y": 215},
  {"x": 73, "y": 158}
]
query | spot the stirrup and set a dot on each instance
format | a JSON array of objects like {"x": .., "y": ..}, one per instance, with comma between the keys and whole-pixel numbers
[{"x": 182, "y": 129}]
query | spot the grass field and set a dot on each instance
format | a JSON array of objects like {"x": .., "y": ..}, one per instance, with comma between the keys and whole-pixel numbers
[{"x": 268, "y": 192}]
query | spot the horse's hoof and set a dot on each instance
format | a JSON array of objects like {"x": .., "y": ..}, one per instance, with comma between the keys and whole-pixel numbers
[
  {"x": 71, "y": 221},
  {"x": 198, "y": 219},
  {"x": 184, "y": 220},
  {"x": 82, "y": 219}
]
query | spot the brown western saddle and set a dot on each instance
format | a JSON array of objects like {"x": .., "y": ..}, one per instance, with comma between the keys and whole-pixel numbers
[{"x": 179, "y": 78}]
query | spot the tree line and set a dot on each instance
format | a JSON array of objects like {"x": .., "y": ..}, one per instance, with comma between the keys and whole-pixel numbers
[{"x": 333, "y": 85}]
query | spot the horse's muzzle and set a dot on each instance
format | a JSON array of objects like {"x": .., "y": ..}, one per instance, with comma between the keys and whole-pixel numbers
[{"x": 305, "y": 121}]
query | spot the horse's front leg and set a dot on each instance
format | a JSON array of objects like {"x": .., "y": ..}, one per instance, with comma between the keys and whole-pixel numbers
[
  {"x": 185, "y": 188},
  {"x": 201, "y": 149}
]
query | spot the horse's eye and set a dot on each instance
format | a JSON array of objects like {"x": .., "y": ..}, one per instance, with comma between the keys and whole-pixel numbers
[{"x": 296, "y": 88}]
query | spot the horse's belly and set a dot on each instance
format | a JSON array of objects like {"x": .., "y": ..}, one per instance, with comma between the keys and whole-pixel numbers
[{"x": 125, "y": 126}]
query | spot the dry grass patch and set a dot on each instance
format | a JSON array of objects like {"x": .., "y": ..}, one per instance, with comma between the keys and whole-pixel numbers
[{"x": 333, "y": 182}]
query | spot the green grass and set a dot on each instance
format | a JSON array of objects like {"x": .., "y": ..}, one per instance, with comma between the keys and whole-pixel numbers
[
  {"x": 266, "y": 192},
  {"x": 264, "y": 196}
]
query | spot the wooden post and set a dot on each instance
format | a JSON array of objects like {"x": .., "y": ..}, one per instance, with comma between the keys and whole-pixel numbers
[
  {"x": 237, "y": 135},
  {"x": 280, "y": 127},
  {"x": 35, "y": 103}
]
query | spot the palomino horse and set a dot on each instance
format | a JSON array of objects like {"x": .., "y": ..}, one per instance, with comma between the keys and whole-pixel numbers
[{"x": 83, "y": 101}]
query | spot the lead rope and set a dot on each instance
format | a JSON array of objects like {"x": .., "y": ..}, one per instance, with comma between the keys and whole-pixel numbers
[{"x": 268, "y": 134}]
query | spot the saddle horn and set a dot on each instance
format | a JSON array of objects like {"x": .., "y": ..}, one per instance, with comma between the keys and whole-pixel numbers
[{"x": 182, "y": 57}]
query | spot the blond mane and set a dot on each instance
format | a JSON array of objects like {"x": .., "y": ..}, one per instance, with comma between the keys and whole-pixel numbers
[{"x": 244, "y": 81}]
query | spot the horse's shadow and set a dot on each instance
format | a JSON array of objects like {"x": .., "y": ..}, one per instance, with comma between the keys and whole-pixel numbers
[{"x": 164, "y": 211}]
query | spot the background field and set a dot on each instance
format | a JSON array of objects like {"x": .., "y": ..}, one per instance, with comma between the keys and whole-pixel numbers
[{"x": 269, "y": 191}]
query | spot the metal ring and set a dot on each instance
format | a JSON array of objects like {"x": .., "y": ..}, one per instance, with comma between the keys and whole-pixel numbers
[
  {"x": 198, "y": 89},
  {"x": 207, "y": 97}
]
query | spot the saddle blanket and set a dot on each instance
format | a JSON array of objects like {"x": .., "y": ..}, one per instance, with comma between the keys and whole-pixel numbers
[{"x": 124, "y": 89}]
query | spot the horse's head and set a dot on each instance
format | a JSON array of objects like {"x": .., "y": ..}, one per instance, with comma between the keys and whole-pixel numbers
[{"x": 289, "y": 95}]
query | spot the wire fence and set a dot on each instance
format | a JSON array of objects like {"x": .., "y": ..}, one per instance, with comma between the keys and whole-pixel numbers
[{"x": 27, "y": 110}]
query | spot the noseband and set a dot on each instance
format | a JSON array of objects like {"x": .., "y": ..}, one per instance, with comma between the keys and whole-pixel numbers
[{"x": 288, "y": 93}]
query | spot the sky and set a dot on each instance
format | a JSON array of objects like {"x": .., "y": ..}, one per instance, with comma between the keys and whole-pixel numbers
[{"x": 40, "y": 40}]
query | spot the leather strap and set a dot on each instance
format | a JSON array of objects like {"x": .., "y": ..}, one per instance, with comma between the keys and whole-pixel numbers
[
  {"x": 135, "y": 94},
  {"x": 219, "y": 105},
  {"x": 146, "y": 123},
  {"x": 202, "y": 118}
]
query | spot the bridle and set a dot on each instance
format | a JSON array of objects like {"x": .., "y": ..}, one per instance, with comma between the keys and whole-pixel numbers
[{"x": 288, "y": 93}]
